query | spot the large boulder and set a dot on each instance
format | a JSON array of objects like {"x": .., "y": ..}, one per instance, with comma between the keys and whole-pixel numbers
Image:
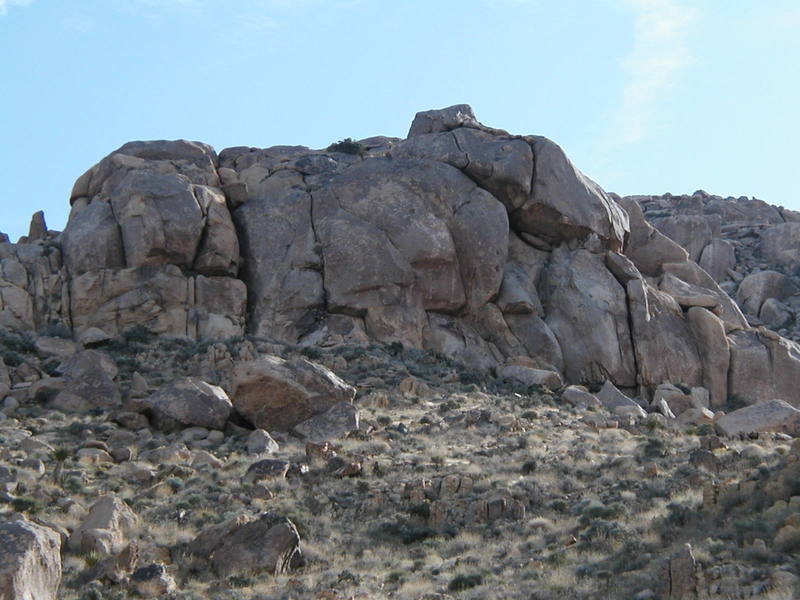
[
  {"x": 763, "y": 366},
  {"x": 588, "y": 313},
  {"x": 769, "y": 415},
  {"x": 276, "y": 394},
  {"x": 146, "y": 222},
  {"x": 162, "y": 299},
  {"x": 666, "y": 350},
  {"x": 717, "y": 258},
  {"x": 30, "y": 561},
  {"x": 647, "y": 247},
  {"x": 89, "y": 383},
  {"x": 780, "y": 244},
  {"x": 247, "y": 546},
  {"x": 693, "y": 232},
  {"x": 714, "y": 350},
  {"x": 691, "y": 273},
  {"x": 565, "y": 204},
  {"x": 499, "y": 164},
  {"x": 189, "y": 402},
  {"x": 757, "y": 287}
]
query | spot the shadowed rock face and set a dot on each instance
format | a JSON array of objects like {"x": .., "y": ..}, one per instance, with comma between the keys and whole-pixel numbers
[{"x": 462, "y": 239}]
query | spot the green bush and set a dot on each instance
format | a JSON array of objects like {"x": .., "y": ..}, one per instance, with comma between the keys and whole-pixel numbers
[
  {"x": 347, "y": 146},
  {"x": 459, "y": 583}
]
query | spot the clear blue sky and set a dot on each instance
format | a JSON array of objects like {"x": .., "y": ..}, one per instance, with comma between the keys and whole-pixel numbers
[{"x": 646, "y": 96}]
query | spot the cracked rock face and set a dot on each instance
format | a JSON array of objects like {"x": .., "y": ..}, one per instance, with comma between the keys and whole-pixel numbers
[{"x": 462, "y": 239}]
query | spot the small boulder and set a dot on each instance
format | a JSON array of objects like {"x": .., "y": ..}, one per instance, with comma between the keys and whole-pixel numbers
[
  {"x": 528, "y": 376},
  {"x": 619, "y": 403},
  {"x": 105, "y": 528},
  {"x": 153, "y": 581},
  {"x": 336, "y": 422},
  {"x": 261, "y": 442},
  {"x": 577, "y": 395},
  {"x": 30, "y": 561},
  {"x": 771, "y": 415},
  {"x": 266, "y": 469}
]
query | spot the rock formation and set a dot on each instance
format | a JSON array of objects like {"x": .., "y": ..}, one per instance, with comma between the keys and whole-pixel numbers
[{"x": 461, "y": 239}]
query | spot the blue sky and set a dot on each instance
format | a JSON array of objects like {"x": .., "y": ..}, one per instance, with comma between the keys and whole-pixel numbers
[{"x": 646, "y": 96}]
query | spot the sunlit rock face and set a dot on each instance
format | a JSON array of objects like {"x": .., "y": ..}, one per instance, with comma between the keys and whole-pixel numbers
[{"x": 483, "y": 246}]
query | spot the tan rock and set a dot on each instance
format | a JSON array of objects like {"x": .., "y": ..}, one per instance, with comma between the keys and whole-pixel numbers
[
  {"x": 714, "y": 351},
  {"x": 275, "y": 394},
  {"x": 587, "y": 311}
]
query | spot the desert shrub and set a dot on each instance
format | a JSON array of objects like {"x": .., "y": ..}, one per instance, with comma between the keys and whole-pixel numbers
[
  {"x": 26, "y": 504},
  {"x": 56, "y": 329},
  {"x": 346, "y": 146},
  {"x": 13, "y": 358},
  {"x": 137, "y": 334},
  {"x": 462, "y": 582}
]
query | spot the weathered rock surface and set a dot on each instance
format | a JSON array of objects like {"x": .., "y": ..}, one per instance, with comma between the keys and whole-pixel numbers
[
  {"x": 88, "y": 383},
  {"x": 30, "y": 561},
  {"x": 337, "y": 421},
  {"x": 268, "y": 544},
  {"x": 462, "y": 239},
  {"x": 105, "y": 529},
  {"x": 275, "y": 394},
  {"x": 189, "y": 402},
  {"x": 770, "y": 415}
]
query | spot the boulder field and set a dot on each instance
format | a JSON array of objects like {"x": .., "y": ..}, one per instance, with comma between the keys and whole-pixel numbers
[{"x": 489, "y": 248}]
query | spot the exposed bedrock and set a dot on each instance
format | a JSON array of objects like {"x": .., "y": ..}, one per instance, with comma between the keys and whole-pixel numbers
[{"x": 490, "y": 248}]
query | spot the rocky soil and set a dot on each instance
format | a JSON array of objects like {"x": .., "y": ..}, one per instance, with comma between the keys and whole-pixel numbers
[
  {"x": 444, "y": 366},
  {"x": 453, "y": 484}
]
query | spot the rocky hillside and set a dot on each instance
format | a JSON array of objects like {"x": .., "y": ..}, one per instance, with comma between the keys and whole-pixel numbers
[
  {"x": 448, "y": 365},
  {"x": 752, "y": 249}
]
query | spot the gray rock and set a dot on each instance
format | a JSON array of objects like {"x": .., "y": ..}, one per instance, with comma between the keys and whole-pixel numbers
[
  {"x": 188, "y": 402},
  {"x": 770, "y": 415},
  {"x": 269, "y": 544},
  {"x": 757, "y": 287},
  {"x": 528, "y": 376},
  {"x": 89, "y": 383},
  {"x": 614, "y": 400},
  {"x": 780, "y": 244},
  {"x": 443, "y": 119},
  {"x": 105, "y": 528},
  {"x": 718, "y": 257},
  {"x": 775, "y": 314},
  {"x": 587, "y": 311},
  {"x": 565, "y": 204},
  {"x": 336, "y": 422},
  {"x": 30, "y": 561},
  {"x": 261, "y": 442}
]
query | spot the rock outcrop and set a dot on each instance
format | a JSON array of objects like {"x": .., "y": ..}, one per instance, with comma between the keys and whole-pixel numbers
[{"x": 461, "y": 239}]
